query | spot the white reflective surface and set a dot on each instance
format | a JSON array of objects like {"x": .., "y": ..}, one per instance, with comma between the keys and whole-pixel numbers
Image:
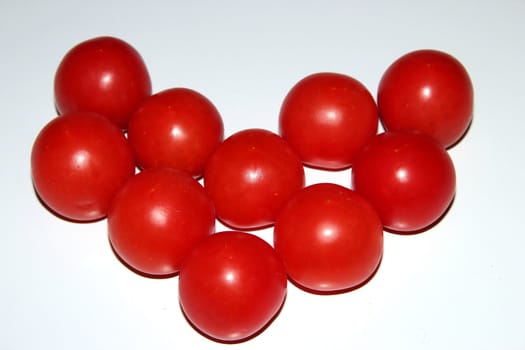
[{"x": 458, "y": 286}]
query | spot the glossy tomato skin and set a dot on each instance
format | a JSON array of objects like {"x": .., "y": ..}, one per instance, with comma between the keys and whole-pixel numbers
[
  {"x": 232, "y": 285},
  {"x": 329, "y": 238},
  {"x": 105, "y": 75},
  {"x": 157, "y": 217},
  {"x": 177, "y": 128},
  {"x": 78, "y": 163},
  {"x": 408, "y": 177},
  {"x": 250, "y": 177},
  {"x": 327, "y": 117},
  {"x": 429, "y": 91}
]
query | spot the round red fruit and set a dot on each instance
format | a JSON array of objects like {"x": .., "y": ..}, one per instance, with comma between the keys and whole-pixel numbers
[
  {"x": 177, "y": 128},
  {"x": 231, "y": 286},
  {"x": 327, "y": 118},
  {"x": 78, "y": 163},
  {"x": 429, "y": 91},
  {"x": 105, "y": 75},
  {"x": 329, "y": 238},
  {"x": 250, "y": 177},
  {"x": 408, "y": 177},
  {"x": 157, "y": 217}
]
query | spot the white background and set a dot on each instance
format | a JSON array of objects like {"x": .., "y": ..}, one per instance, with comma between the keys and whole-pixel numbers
[{"x": 460, "y": 285}]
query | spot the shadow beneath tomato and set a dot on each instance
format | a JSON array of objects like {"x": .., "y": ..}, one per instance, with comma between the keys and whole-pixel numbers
[
  {"x": 138, "y": 272},
  {"x": 244, "y": 229},
  {"x": 330, "y": 170},
  {"x": 424, "y": 229},
  {"x": 60, "y": 216},
  {"x": 339, "y": 291},
  {"x": 57, "y": 111},
  {"x": 238, "y": 341}
]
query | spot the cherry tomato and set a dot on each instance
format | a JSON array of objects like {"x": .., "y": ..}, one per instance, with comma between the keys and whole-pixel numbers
[
  {"x": 408, "y": 177},
  {"x": 429, "y": 91},
  {"x": 232, "y": 285},
  {"x": 177, "y": 128},
  {"x": 157, "y": 217},
  {"x": 250, "y": 177},
  {"x": 104, "y": 75},
  {"x": 329, "y": 238},
  {"x": 73, "y": 172},
  {"x": 327, "y": 118}
]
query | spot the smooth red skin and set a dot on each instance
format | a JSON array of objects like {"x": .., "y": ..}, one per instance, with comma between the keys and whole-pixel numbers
[
  {"x": 329, "y": 238},
  {"x": 428, "y": 91},
  {"x": 327, "y": 118},
  {"x": 177, "y": 128},
  {"x": 104, "y": 75},
  {"x": 232, "y": 285},
  {"x": 250, "y": 177},
  {"x": 157, "y": 218},
  {"x": 78, "y": 163},
  {"x": 408, "y": 177}
]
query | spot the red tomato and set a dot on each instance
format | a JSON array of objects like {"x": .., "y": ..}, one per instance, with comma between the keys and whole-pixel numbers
[
  {"x": 408, "y": 177},
  {"x": 329, "y": 238},
  {"x": 232, "y": 285},
  {"x": 157, "y": 218},
  {"x": 327, "y": 118},
  {"x": 177, "y": 128},
  {"x": 73, "y": 172},
  {"x": 104, "y": 75},
  {"x": 250, "y": 177},
  {"x": 428, "y": 91}
]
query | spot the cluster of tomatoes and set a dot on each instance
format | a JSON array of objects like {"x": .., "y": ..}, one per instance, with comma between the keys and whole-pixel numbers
[{"x": 161, "y": 219}]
